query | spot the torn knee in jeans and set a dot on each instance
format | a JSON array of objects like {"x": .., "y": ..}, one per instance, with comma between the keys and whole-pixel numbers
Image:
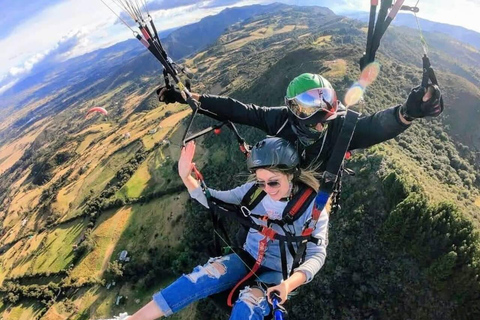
[
  {"x": 214, "y": 268},
  {"x": 252, "y": 296}
]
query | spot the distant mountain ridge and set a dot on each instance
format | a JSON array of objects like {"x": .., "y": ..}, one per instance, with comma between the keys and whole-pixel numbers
[
  {"x": 196, "y": 36},
  {"x": 179, "y": 42},
  {"x": 404, "y": 19}
]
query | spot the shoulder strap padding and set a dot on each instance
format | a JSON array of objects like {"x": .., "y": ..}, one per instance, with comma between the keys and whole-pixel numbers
[
  {"x": 253, "y": 197},
  {"x": 299, "y": 204}
]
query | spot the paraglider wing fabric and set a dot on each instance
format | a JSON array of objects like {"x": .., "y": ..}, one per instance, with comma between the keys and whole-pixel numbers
[{"x": 97, "y": 109}]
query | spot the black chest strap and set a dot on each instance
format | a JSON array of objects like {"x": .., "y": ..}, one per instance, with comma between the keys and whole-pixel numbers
[{"x": 342, "y": 145}]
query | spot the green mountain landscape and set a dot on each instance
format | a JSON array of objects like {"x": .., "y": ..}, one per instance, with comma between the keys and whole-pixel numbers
[{"x": 75, "y": 192}]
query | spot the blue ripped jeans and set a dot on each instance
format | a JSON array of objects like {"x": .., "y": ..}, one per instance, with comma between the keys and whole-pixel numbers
[{"x": 210, "y": 279}]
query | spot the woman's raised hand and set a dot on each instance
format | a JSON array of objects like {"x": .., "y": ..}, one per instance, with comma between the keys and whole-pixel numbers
[{"x": 185, "y": 164}]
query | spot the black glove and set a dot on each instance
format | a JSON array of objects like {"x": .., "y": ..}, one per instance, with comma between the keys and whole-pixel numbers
[
  {"x": 171, "y": 94},
  {"x": 415, "y": 107}
]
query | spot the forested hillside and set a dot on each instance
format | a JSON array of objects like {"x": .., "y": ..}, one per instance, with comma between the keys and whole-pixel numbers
[
  {"x": 75, "y": 193},
  {"x": 403, "y": 245}
]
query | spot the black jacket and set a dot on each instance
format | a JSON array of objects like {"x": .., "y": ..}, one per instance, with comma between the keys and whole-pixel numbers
[{"x": 370, "y": 130}]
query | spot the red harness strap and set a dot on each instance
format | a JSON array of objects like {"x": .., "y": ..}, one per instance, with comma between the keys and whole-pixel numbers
[
  {"x": 269, "y": 234},
  {"x": 296, "y": 208},
  {"x": 311, "y": 226},
  {"x": 262, "y": 246}
]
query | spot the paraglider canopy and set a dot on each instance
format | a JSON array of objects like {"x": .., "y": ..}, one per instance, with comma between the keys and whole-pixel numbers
[{"x": 97, "y": 109}]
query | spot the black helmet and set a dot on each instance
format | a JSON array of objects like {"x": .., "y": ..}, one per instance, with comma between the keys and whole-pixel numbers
[{"x": 273, "y": 152}]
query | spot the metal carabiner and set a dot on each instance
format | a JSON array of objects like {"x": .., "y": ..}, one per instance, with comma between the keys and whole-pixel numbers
[{"x": 245, "y": 211}]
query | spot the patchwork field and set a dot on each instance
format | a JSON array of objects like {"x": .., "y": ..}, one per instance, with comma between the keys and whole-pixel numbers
[
  {"x": 140, "y": 179},
  {"x": 56, "y": 254},
  {"x": 71, "y": 197},
  {"x": 82, "y": 147},
  {"x": 261, "y": 33},
  {"x": 104, "y": 171},
  {"x": 49, "y": 251},
  {"x": 322, "y": 40},
  {"x": 156, "y": 224},
  {"x": 24, "y": 201},
  {"x": 22, "y": 256},
  {"x": 23, "y": 311},
  {"x": 99, "y": 303},
  {"x": 102, "y": 160},
  {"x": 151, "y": 176},
  {"x": 105, "y": 235},
  {"x": 12, "y": 152},
  {"x": 166, "y": 125}
]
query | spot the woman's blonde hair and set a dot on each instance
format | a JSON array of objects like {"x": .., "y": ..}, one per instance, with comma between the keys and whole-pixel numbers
[{"x": 307, "y": 176}]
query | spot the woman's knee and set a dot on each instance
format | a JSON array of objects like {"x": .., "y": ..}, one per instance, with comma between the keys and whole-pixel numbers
[
  {"x": 252, "y": 296},
  {"x": 214, "y": 268},
  {"x": 254, "y": 302}
]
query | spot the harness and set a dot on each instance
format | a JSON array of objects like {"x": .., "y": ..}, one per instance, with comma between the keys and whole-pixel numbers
[{"x": 294, "y": 210}]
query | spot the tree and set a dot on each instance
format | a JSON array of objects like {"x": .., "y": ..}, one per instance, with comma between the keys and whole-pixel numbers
[
  {"x": 115, "y": 270},
  {"x": 13, "y": 297}
]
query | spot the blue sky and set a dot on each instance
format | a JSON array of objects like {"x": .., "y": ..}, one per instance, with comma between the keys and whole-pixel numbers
[{"x": 37, "y": 33}]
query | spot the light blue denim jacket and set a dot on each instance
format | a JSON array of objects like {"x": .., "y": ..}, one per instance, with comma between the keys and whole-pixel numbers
[{"x": 315, "y": 254}]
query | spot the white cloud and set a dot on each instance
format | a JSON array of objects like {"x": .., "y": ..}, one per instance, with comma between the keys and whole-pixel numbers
[
  {"x": 61, "y": 50},
  {"x": 41, "y": 61},
  {"x": 73, "y": 27},
  {"x": 27, "y": 66},
  {"x": 7, "y": 86},
  {"x": 42, "y": 32}
]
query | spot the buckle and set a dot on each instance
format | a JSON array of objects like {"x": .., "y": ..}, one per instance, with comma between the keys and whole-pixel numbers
[
  {"x": 329, "y": 177},
  {"x": 246, "y": 213}
]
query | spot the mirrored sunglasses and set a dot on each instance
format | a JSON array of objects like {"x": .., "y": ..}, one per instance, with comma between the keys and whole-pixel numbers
[{"x": 313, "y": 101}]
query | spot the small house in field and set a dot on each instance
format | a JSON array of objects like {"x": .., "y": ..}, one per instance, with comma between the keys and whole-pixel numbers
[{"x": 123, "y": 255}]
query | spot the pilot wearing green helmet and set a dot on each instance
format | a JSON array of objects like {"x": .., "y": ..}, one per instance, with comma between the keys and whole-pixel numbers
[
  {"x": 312, "y": 102},
  {"x": 313, "y": 116}
]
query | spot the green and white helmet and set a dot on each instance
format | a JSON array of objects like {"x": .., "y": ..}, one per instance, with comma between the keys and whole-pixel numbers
[
  {"x": 311, "y": 96},
  {"x": 311, "y": 99}
]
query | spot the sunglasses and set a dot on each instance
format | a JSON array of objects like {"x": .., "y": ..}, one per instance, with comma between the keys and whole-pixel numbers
[
  {"x": 271, "y": 184},
  {"x": 313, "y": 101}
]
